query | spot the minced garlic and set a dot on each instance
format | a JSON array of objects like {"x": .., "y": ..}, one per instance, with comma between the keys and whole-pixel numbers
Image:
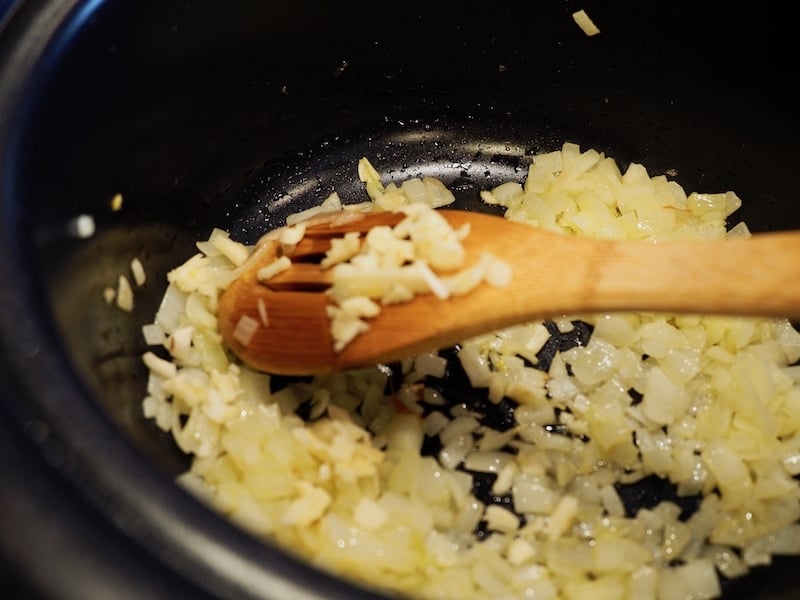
[{"x": 422, "y": 254}]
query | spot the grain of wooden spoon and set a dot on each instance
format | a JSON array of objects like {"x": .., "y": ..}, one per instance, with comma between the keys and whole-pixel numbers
[{"x": 552, "y": 275}]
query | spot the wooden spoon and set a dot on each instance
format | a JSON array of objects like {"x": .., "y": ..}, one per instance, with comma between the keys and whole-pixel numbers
[{"x": 552, "y": 275}]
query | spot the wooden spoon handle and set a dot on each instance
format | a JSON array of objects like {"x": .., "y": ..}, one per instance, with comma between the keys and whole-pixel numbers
[
  {"x": 754, "y": 276},
  {"x": 561, "y": 275}
]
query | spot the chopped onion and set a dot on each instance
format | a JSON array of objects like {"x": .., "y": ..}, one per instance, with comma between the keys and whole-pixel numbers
[
  {"x": 279, "y": 265},
  {"x": 124, "y": 294},
  {"x": 400, "y": 478},
  {"x": 139, "y": 276},
  {"x": 245, "y": 329}
]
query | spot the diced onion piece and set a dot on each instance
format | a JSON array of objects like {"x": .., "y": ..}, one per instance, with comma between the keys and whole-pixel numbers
[
  {"x": 124, "y": 294},
  {"x": 562, "y": 516},
  {"x": 291, "y": 236},
  {"x": 475, "y": 365},
  {"x": 430, "y": 364},
  {"x": 437, "y": 287},
  {"x": 173, "y": 304},
  {"x": 370, "y": 177},
  {"x": 262, "y": 312},
  {"x": 158, "y": 365},
  {"x": 153, "y": 334},
  {"x": 498, "y": 273},
  {"x": 501, "y": 519},
  {"x": 279, "y": 265},
  {"x": 585, "y": 23},
  {"x": 696, "y": 579},
  {"x": 310, "y": 506},
  {"x": 139, "y": 276},
  {"x": 342, "y": 249},
  {"x": 521, "y": 551},
  {"x": 370, "y": 514},
  {"x": 234, "y": 251},
  {"x": 180, "y": 341},
  {"x": 330, "y": 205},
  {"x": 346, "y": 319},
  {"x": 245, "y": 329}
]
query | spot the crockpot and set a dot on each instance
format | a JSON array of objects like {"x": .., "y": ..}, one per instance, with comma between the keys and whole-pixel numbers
[{"x": 207, "y": 114}]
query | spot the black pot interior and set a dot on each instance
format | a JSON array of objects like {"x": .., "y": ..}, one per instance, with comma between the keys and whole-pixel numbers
[{"x": 205, "y": 114}]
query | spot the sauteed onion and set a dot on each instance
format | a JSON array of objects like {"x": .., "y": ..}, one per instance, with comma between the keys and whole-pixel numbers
[{"x": 510, "y": 465}]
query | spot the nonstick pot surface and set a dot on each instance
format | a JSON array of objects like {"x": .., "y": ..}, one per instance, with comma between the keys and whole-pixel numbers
[{"x": 207, "y": 114}]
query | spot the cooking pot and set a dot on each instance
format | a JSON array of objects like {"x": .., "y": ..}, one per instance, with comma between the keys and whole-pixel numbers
[{"x": 207, "y": 114}]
